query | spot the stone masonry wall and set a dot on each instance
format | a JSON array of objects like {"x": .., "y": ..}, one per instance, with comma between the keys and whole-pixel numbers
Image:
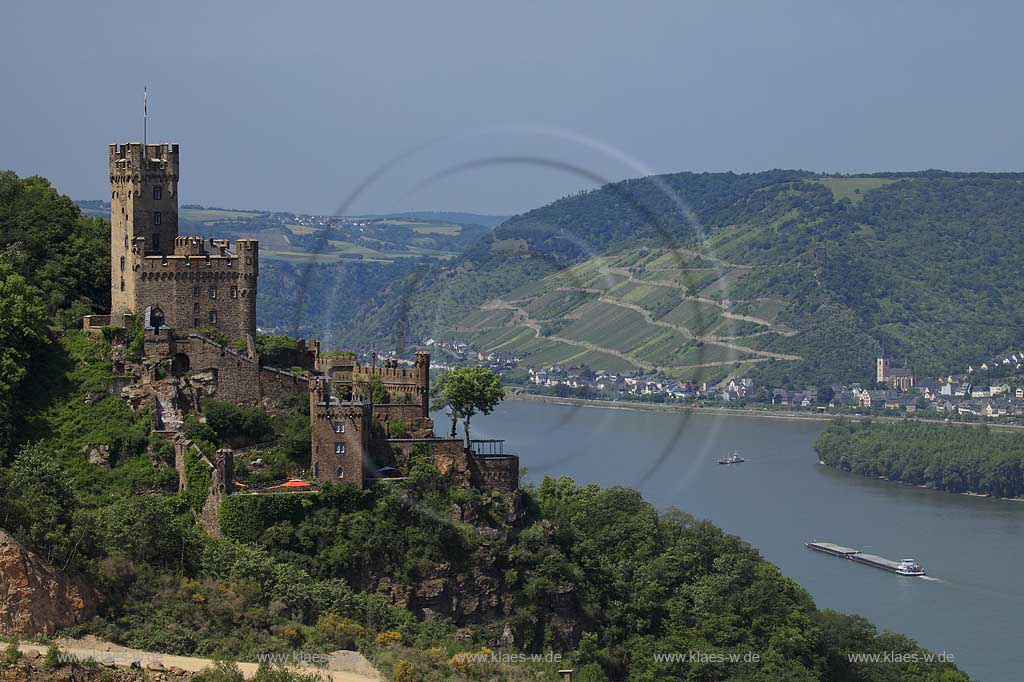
[
  {"x": 216, "y": 291},
  {"x": 500, "y": 472}
]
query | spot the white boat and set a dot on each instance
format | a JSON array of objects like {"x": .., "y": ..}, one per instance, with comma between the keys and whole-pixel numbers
[{"x": 734, "y": 458}]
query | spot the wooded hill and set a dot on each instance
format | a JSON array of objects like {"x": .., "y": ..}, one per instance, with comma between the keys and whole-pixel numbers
[{"x": 788, "y": 276}]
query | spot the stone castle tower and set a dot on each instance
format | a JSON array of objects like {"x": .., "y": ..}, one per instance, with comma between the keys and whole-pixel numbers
[
  {"x": 195, "y": 282},
  {"x": 143, "y": 212}
]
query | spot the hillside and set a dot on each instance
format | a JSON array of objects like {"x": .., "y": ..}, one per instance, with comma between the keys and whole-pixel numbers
[
  {"x": 787, "y": 276},
  {"x": 417, "y": 573}
]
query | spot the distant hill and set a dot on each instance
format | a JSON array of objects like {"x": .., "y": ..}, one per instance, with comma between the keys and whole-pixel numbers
[
  {"x": 484, "y": 220},
  {"x": 789, "y": 276}
]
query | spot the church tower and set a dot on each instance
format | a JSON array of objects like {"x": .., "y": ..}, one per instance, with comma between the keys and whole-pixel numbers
[
  {"x": 143, "y": 213},
  {"x": 882, "y": 369}
]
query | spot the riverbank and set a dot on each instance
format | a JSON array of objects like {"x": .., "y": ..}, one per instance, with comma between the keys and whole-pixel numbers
[{"x": 739, "y": 411}]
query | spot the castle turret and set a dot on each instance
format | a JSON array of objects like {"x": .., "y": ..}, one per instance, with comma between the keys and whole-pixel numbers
[
  {"x": 248, "y": 253},
  {"x": 422, "y": 364},
  {"x": 143, "y": 212}
]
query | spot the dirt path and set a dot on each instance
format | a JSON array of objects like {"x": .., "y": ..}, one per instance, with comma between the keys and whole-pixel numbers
[{"x": 113, "y": 654}]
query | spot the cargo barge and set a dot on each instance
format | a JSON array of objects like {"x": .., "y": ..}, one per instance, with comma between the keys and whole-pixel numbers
[{"x": 907, "y": 567}]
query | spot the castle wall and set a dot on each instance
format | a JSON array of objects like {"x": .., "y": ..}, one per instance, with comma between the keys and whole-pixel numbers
[
  {"x": 499, "y": 472},
  {"x": 237, "y": 377},
  {"x": 411, "y": 415},
  {"x": 280, "y": 386},
  {"x": 448, "y": 454},
  {"x": 217, "y": 291}
]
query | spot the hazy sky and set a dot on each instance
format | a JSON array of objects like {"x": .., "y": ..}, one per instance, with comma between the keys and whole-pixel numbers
[{"x": 488, "y": 107}]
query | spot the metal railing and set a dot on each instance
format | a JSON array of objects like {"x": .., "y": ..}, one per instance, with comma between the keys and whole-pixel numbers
[{"x": 487, "y": 446}]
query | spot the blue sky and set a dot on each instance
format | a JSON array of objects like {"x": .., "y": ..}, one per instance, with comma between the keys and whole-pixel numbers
[{"x": 296, "y": 105}]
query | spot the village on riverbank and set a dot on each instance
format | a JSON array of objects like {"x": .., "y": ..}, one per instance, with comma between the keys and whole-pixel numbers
[{"x": 991, "y": 391}]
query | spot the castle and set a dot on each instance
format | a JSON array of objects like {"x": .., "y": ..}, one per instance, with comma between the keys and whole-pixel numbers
[
  {"x": 195, "y": 282},
  {"x": 365, "y": 419}
]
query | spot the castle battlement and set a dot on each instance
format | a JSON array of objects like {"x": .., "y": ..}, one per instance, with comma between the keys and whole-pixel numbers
[
  {"x": 192, "y": 255},
  {"x": 189, "y": 246},
  {"x": 126, "y": 159}
]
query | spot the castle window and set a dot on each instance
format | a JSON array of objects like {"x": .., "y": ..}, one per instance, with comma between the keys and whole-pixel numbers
[
  {"x": 339, "y": 448},
  {"x": 195, "y": 307},
  {"x": 195, "y": 292},
  {"x": 339, "y": 427},
  {"x": 122, "y": 263},
  {"x": 156, "y": 241},
  {"x": 213, "y": 293},
  {"x": 234, "y": 292},
  {"x": 157, "y": 218},
  {"x": 341, "y": 473},
  {"x": 195, "y": 321},
  {"x": 213, "y": 317},
  {"x": 156, "y": 193}
]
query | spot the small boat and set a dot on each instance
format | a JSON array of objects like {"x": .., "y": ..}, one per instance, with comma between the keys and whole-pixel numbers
[{"x": 734, "y": 458}]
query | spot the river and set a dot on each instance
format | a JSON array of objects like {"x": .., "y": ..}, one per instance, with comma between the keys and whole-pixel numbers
[{"x": 971, "y": 605}]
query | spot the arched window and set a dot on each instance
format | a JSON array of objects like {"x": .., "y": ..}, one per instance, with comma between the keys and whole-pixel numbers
[{"x": 341, "y": 472}]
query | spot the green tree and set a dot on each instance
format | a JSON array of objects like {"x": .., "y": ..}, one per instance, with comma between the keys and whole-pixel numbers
[
  {"x": 22, "y": 331},
  {"x": 467, "y": 391}
]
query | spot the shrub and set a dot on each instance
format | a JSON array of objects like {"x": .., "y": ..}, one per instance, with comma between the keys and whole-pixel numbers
[
  {"x": 11, "y": 654},
  {"x": 398, "y": 428},
  {"x": 222, "y": 671},
  {"x": 338, "y": 631},
  {"x": 388, "y": 637},
  {"x": 276, "y": 350},
  {"x": 52, "y": 659},
  {"x": 404, "y": 671},
  {"x": 233, "y": 422}
]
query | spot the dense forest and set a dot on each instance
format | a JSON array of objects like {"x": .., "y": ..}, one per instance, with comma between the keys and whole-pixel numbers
[
  {"x": 951, "y": 458},
  {"x": 598, "y": 575},
  {"x": 924, "y": 264}
]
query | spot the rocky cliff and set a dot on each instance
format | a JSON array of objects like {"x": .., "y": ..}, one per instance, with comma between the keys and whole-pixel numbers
[{"x": 36, "y": 599}]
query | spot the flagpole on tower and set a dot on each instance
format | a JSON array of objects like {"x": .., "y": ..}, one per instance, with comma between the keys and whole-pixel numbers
[{"x": 145, "y": 116}]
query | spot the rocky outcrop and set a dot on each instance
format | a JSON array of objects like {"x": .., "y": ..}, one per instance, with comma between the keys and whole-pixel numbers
[{"x": 36, "y": 599}]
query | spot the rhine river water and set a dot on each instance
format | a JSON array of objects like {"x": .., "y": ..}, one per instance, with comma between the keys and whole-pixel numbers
[{"x": 970, "y": 606}]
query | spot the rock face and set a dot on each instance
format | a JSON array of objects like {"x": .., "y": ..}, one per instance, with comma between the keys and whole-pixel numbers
[{"x": 35, "y": 599}]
